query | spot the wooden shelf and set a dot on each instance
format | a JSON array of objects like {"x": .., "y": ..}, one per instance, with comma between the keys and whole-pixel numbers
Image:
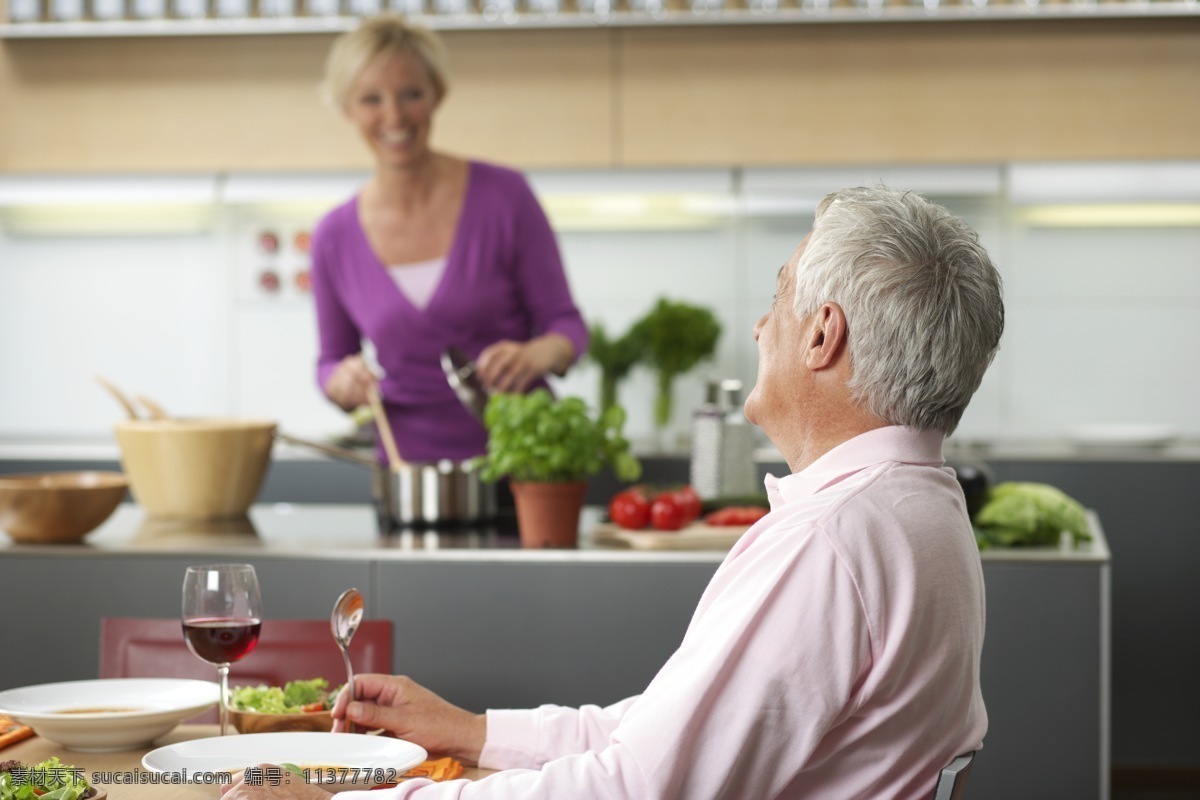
[{"x": 787, "y": 15}]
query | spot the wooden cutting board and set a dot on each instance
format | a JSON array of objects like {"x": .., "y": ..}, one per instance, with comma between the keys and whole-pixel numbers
[{"x": 697, "y": 536}]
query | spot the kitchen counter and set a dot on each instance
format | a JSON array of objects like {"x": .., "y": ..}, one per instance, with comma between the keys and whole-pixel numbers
[
  {"x": 488, "y": 624},
  {"x": 351, "y": 531}
]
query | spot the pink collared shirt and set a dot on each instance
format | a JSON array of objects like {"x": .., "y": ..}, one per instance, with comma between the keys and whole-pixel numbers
[{"x": 835, "y": 654}]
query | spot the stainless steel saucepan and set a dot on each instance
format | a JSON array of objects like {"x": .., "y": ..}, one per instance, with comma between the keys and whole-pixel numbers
[
  {"x": 424, "y": 493},
  {"x": 419, "y": 493}
]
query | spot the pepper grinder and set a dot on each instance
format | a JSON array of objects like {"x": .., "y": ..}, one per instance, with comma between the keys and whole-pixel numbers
[{"x": 722, "y": 462}]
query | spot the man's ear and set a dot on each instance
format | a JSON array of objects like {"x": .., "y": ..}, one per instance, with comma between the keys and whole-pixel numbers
[{"x": 827, "y": 336}]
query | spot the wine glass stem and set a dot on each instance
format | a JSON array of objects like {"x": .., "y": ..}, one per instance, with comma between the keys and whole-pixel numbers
[{"x": 223, "y": 674}]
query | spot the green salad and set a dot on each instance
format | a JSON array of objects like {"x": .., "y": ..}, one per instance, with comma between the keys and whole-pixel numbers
[
  {"x": 48, "y": 780},
  {"x": 296, "y": 697}
]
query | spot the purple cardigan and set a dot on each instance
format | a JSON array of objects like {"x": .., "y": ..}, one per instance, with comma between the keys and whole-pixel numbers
[{"x": 503, "y": 279}]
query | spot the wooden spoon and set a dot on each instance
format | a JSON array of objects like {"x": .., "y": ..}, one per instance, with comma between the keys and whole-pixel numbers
[
  {"x": 156, "y": 411},
  {"x": 119, "y": 396},
  {"x": 385, "y": 428}
]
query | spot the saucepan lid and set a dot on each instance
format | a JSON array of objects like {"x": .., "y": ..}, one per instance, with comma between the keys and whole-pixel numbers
[{"x": 461, "y": 373}]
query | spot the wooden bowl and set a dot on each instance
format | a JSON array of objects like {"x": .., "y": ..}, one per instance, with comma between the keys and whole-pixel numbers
[
  {"x": 254, "y": 722},
  {"x": 58, "y": 506},
  {"x": 195, "y": 468}
]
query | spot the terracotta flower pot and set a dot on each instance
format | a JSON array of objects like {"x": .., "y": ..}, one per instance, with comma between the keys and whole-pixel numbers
[{"x": 548, "y": 513}]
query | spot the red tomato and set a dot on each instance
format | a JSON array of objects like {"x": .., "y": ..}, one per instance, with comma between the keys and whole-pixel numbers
[
  {"x": 690, "y": 501},
  {"x": 630, "y": 509},
  {"x": 667, "y": 512}
]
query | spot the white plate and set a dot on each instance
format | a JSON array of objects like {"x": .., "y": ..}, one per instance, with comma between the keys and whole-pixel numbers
[
  {"x": 1123, "y": 435},
  {"x": 386, "y": 759},
  {"x": 156, "y": 706}
]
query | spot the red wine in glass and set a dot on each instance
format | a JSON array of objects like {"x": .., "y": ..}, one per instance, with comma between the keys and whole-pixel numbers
[
  {"x": 222, "y": 617},
  {"x": 222, "y": 640}
]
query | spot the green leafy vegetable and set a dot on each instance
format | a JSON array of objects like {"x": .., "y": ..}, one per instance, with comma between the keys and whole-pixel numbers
[
  {"x": 676, "y": 337},
  {"x": 48, "y": 780},
  {"x": 536, "y": 438},
  {"x": 1016, "y": 514},
  {"x": 291, "y": 699},
  {"x": 616, "y": 358}
]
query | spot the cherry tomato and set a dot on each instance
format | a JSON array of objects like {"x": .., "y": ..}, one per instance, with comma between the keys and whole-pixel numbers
[
  {"x": 690, "y": 501},
  {"x": 630, "y": 509},
  {"x": 667, "y": 512}
]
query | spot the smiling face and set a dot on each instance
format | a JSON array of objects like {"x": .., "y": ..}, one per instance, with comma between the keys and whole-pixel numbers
[{"x": 392, "y": 103}]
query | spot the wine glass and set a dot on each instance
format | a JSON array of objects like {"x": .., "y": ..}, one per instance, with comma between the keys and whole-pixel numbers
[{"x": 222, "y": 617}]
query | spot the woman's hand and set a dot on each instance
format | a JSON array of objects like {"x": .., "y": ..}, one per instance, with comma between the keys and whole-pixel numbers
[
  {"x": 409, "y": 711},
  {"x": 271, "y": 782},
  {"x": 348, "y": 384},
  {"x": 508, "y": 366}
]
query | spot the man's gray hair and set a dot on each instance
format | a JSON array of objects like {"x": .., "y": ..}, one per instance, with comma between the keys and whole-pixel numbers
[{"x": 921, "y": 297}]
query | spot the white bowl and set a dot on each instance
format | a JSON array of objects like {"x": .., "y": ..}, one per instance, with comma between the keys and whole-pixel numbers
[
  {"x": 105, "y": 716},
  {"x": 352, "y": 758},
  {"x": 1123, "y": 435}
]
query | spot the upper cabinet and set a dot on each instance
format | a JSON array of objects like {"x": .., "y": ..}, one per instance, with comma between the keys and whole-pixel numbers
[
  {"x": 638, "y": 96},
  {"x": 124, "y": 18}
]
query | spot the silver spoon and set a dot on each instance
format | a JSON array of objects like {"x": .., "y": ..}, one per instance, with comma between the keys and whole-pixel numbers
[{"x": 347, "y": 614}]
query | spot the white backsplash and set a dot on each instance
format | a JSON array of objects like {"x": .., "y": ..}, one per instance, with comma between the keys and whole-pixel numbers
[{"x": 1103, "y": 323}]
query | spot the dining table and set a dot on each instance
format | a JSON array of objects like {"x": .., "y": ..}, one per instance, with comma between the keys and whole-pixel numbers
[{"x": 122, "y": 775}]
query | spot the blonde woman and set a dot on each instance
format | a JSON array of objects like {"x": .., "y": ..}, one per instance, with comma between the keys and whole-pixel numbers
[{"x": 434, "y": 251}]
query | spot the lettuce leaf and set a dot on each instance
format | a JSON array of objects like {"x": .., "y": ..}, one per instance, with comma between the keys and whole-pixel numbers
[
  {"x": 287, "y": 700},
  {"x": 47, "y": 780},
  {"x": 1023, "y": 514}
]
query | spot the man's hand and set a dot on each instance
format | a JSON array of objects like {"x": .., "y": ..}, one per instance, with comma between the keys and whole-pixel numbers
[{"x": 409, "y": 711}]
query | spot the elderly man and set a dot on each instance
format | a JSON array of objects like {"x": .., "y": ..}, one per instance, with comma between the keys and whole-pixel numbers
[{"x": 835, "y": 653}]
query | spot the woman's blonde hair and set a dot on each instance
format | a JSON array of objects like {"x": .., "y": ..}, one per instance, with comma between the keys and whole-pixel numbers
[{"x": 387, "y": 34}]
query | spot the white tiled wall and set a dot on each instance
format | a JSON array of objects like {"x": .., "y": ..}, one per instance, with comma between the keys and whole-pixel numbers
[
  {"x": 1103, "y": 323},
  {"x": 1104, "y": 327},
  {"x": 149, "y": 313}
]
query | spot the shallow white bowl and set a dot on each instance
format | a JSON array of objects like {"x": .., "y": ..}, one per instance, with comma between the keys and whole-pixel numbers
[
  {"x": 154, "y": 706},
  {"x": 1123, "y": 435}
]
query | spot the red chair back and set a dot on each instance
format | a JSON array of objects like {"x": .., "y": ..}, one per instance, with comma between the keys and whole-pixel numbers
[{"x": 287, "y": 650}]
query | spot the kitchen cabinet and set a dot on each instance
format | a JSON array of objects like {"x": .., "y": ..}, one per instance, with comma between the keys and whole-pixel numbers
[
  {"x": 677, "y": 96},
  {"x": 489, "y": 624},
  {"x": 28, "y": 19}
]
